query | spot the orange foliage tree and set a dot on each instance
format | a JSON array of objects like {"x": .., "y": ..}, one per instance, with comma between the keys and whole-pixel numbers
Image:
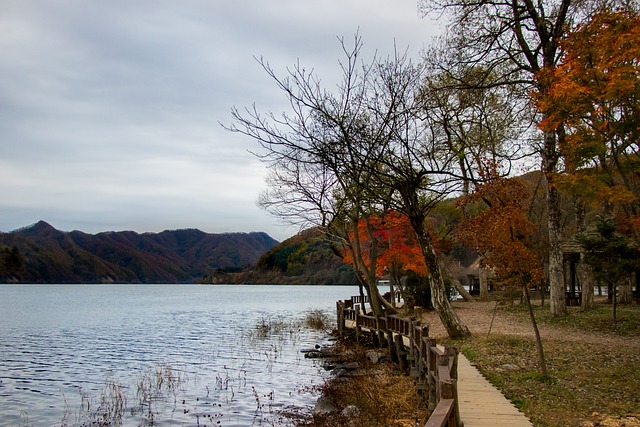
[
  {"x": 595, "y": 92},
  {"x": 501, "y": 234},
  {"x": 388, "y": 245},
  {"x": 401, "y": 249}
]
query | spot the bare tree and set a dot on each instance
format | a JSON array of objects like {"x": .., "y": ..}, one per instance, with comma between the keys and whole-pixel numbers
[
  {"x": 339, "y": 157},
  {"x": 322, "y": 152},
  {"x": 481, "y": 123}
]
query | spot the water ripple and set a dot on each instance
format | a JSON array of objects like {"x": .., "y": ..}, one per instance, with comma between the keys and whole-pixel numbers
[{"x": 176, "y": 354}]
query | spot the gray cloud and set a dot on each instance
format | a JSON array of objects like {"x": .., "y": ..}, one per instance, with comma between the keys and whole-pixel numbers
[{"x": 110, "y": 110}]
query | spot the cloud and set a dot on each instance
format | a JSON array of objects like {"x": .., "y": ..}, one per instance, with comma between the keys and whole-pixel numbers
[{"x": 110, "y": 110}]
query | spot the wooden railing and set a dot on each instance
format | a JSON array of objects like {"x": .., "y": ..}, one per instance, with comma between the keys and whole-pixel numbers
[{"x": 434, "y": 368}]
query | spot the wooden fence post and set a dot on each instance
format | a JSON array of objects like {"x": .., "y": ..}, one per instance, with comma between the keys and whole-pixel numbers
[
  {"x": 453, "y": 372},
  {"x": 402, "y": 361},
  {"x": 341, "y": 320},
  {"x": 392, "y": 351}
]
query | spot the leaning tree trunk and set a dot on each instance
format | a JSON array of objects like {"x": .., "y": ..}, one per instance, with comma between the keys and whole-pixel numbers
[
  {"x": 453, "y": 324},
  {"x": 456, "y": 283},
  {"x": 378, "y": 304},
  {"x": 541, "y": 358},
  {"x": 375, "y": 299},
  {"x": 461, "y": 290}
]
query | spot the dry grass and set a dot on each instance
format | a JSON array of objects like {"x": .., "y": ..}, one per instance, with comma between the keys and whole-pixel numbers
[
  {"x": 374, "y": 395},
  {"x": 318, "y": 320}
]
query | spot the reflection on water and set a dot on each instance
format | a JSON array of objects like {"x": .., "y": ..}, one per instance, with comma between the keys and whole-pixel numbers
[{"x": 157, "y": 354}]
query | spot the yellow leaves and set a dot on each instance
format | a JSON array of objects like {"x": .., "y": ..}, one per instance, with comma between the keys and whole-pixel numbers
[{"x": 618, "y": 194}]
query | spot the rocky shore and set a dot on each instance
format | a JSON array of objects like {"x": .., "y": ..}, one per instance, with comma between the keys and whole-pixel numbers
[{"x": 365, "y": 388}]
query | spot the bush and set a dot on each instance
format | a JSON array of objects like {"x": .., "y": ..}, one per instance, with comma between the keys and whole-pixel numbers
[{"x": 418, "y": 289}]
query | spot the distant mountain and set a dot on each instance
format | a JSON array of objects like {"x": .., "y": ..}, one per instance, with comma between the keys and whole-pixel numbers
[
  {"x": 42, "y": 254},
  {"x": 307, "y": 258}
]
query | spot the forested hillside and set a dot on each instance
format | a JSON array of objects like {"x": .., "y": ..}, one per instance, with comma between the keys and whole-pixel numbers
[
  {"x": 307, "y": 258},
  {"x": 42, "y": 254}
]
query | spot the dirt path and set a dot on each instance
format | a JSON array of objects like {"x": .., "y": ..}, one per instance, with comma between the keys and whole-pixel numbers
[{"x": 477, "y": 316}]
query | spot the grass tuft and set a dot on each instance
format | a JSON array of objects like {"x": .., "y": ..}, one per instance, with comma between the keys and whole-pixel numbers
[{"x": 318, "y": 320}]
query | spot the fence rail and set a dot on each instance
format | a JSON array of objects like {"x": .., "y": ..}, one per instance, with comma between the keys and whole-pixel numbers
[{"x": 435, "y": 369}]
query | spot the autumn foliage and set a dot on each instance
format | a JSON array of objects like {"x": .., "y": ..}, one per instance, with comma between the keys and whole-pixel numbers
[
  {"x": 501, "y": 233},
  {"x": 594, "y": 97},
  {"x": 391, "y": 240}
]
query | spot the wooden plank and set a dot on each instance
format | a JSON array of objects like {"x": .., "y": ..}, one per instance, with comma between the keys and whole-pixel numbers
[
  {"x": 481, "y": 404},
  {"x": 440, "y": 416}
]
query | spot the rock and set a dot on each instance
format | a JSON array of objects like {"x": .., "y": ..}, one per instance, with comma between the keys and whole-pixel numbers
[
  {"x": 344, "y": 368},
  {"x": 339, "y": 372},
  {"x": 375, "y": 356},
  {"x": 325, "y": 405},
  {"x": 509, "y": 367},
  {"x": 312, "y": 354},
  {"x": 350, "y": 411},
  {"x": 348, "y": 366},
  {"x": 319, "y": 352}
]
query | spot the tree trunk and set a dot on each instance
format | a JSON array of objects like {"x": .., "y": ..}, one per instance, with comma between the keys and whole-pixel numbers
[
  {"x": 543, "y": 364},
  {"x": 483, "y": 278},
  {"x": 453, "y": 324},
  {"x": 556, "y": 274},
  {"x": 367, "y": 274},
  {"x": 361, "y": 289},
  {"x": 614, "y": 290},
  {"x": 378, "y": 304},
  {"x": 461, "y": 290},
  {"x": 625, "y": 295},
  {"x": 585, "y": 273},
  {"x": 456, "y": 283},
  {"x": 392, "y": 294},
  {"x": 375, "y": 299}
]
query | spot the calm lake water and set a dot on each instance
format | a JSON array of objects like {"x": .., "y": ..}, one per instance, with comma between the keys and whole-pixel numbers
[{"x": 165, "y": 355}]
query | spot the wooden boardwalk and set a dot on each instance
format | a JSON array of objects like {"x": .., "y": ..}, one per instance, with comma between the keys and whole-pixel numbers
[{"x": 481, "y": 404}]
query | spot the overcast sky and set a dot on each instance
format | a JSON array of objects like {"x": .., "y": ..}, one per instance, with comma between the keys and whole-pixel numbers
[{"x": 110, "y": 110}]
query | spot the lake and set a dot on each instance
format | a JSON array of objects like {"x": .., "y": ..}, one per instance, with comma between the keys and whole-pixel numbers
[{"x": 164, "y": 355}]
